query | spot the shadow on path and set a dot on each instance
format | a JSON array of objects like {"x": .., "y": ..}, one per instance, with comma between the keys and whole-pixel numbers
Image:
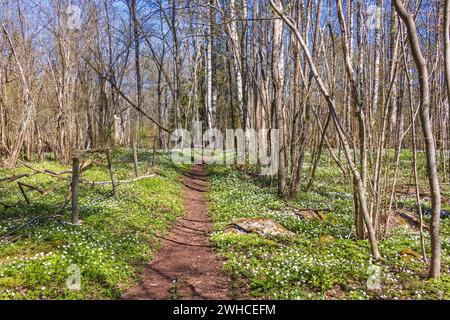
[{"x": 186, "y": 267}]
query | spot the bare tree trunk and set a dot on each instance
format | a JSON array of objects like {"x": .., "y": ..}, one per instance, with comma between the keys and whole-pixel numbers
[
  {"x": 135, "y": 117},
  {"x": 28, "y": 103},
  {"x": 408, "y": 19},
  {"x": 357, "y": 93},
  {"x": 319, "y": 154},
  {"x": 210, "y": 91},
  {"x": 112, "y": 171},
  {"x": 447, "y": 47},
  {"x": 331, "y": 105},
  {"x": 237, "y": 63},
  {"x": 277, "y": 74},
  {"x": 378, "y": 46},
  {"x": 416, "y": 182}
]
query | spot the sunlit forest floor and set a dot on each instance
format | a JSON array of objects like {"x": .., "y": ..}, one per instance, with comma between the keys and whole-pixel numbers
[
  {"x": 317, "y": 257},
  {"x": 114, "y": 242},
  {"x": 320, "y": 258}
]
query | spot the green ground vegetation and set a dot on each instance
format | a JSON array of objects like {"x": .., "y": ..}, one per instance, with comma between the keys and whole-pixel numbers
[
  {"x": 321, "y": 260},
  {"x": 110, "y": 247}
]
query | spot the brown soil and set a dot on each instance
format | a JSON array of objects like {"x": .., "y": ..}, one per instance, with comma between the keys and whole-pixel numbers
[{"x": 186, "y": 267}]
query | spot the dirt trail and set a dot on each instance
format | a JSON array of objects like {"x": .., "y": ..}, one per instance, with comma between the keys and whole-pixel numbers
[{"x": 186, "y": 267}]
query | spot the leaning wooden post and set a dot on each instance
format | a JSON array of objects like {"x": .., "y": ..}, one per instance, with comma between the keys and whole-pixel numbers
[
  {"x": 75, "y": 188},
  {"x": 135, "y": 158},
  {"x": 23, "y": 192},
  {"x": 155, "y": 140}
]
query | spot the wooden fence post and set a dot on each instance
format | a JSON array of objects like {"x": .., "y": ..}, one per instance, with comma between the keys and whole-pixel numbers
[
  {"x": 75, "y": 189},
  {"x": 112, "y": 171},
  {"x": 155, "y": 140},
  {"x": 135, "y": 157}
]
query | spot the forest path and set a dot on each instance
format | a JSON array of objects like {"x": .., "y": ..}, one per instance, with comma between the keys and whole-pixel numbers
[{"x": 186, "y": 267}]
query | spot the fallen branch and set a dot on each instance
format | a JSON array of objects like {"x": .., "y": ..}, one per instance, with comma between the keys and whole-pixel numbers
[
  {"x": 7, "y": 206},
  {"x": 317, "y": 211},
  {"x": 14, "y": 238},
  {"x": 235, "y": 226},
  {"x": 57, "y": 214},
  {"x": 85, "y": 166},
  {"x": 42, "y": 193},
  {"x": 415, "y": 222},
  {"x": 31, "y": 187},
  {"x": 46, "y": 171},
  {"x": 314, "y": 209},
  {"x": 97, "y": 183},
  {"x": 25, "y": 224},
  {"x": 17, "y": 177}
]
